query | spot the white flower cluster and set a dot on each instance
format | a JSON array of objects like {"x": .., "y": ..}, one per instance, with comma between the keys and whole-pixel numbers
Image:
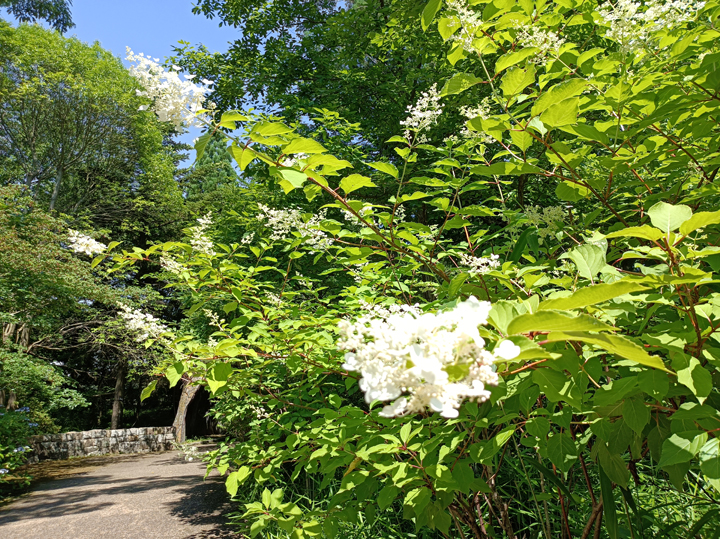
[
  {"x": 174, "y": 100},
  {"x": 283, "y": 222},
  {"x": 168, "y": 264},
  {"x": 381, "y": 311},
  {"x": 547, "y": 41},
  {"x": 424, "y": 113},
  {"x": 247, "y": 238},
  {"x": 421, "y": 361},
  {"x": 469, "y": 22},
  {"x": 145, "y": 325},
  {"x": 480, "y": 265},
  {"x": 482, "y": 110},
  {"x": 548, "y": 221},
  {"x": 199, "y": 240},
  {"x": 80, "y": 243},
  {"x": 630, "y": 26},
  {"x": 274, "y": 299}
]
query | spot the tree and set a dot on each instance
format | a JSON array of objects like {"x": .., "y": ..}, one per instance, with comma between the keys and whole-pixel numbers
[
  {"x": 55, "y": 12},
  {"x": 367, "y": 61},
  {"x": 69, "y": 119}
]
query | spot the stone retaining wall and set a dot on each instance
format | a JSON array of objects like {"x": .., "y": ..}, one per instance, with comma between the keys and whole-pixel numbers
[{"x": 101, "y": 442}]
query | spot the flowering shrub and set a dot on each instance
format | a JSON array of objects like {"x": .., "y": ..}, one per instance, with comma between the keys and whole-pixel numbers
[{"x": 566, "y": 348}]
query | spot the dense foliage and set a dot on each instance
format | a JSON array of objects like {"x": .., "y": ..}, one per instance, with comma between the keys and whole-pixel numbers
[
  {"x": 462, "y": 282},
  {"x": 578, "y": 198}
]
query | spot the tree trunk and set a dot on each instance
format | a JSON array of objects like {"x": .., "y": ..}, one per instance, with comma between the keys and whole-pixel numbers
[
  {"x": 56, "y": 189},
  {"x": 188, "y": 392},
  {"x": 119, "y": 394}
]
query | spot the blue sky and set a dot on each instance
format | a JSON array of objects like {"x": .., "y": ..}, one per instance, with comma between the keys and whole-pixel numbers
[{"x": 148, "y": 26}]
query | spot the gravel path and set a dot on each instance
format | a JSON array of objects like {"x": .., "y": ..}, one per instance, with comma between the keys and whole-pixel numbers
[{"x": 156, "y": 496}]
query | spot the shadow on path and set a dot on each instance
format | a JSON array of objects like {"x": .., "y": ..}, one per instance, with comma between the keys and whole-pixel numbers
[{"x": 156, "y": 496}]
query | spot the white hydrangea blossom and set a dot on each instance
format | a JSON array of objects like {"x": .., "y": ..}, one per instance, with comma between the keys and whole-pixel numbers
[
  {"x": 480, "y": 265},
  {"x": 80, "y": 243},
  {"x": 421, "y": 361},
  {"x": 547, "y": 41},
  {"x": 145, "y": 325},
  {"x": 283, "y": 222},
  {"x": 469, "y": 22},
  {"x": 631, "y": 25},
  {"x": 424, "y": 113},
  {"x": 482, "y": 110},
  {"x": 199, "y": 240},
  {"x": 168, "y": 264},
  {"x": 174, "y": 100}
]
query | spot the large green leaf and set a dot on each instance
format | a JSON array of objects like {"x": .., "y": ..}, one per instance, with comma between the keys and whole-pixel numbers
[
  {"x": 174, "y": 372},
  {"x": 609, "y": 512},
  {"x": 668, "y": 217},
  {"x": 697, "y": 378},
  {"x": 592, "y": 295},
  {"x": 556, "y": 386},
  {"x": 354, "y": 182},
  {"x": 459, "y": 83},
  {"x": 556, "y": 321},
  {"x": 218, "y": 375},
  {"x": 700, "y": 220},
  {"x": 636, "y": 414},
  {"x": 429, "y": 12},
  {"x": 645, "y": 232},
  {"x": 303, "y": 145},
  {"x": 517, "y": 79},
  {"x": 589, "y": 259},
  {"x": 681, "y": 447},
  {"x": 387, "y": 168},
  {"x": 710, "y": 458},
  {"x": 561, "y": 451},
  {"x": 615, "y": 344},
  {"x": 558, "y": 93},
  {"x": 563, "y": 113},
  {"x": 147, "y": 391}
]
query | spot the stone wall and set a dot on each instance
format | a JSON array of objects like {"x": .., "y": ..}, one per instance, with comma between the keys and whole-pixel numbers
[{"x": 101, "y": 442}]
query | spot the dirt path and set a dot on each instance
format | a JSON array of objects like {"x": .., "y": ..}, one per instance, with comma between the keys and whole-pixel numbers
[{"x": 157, "y": 496}]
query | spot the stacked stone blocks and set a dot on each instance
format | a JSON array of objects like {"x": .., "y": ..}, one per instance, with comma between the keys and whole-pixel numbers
[{"x": 101, "y": 442}]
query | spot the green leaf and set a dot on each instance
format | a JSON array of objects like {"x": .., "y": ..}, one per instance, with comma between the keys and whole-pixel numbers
[
  {"x": 291, "y": 179},
  {"x": 354, "y": 182},
  {"x": 517, "y": 79},
  {"x": 456, "y": 284},
  {"x": 592, "y": 295},
  {"x": 681, "y": 447},
  {"x": 556, "y": 321},
  {"x": 559, "y": 114},
  {"x": 697, "y": 378},
  {"x": 558, "y": 93},
  {"x": 243, "y": 156},
  {"x": 201, "y": 143},
  {"x": 459, "y": 83},
  {"x": 387, "y": 495},
  {"x": 700, "y": 220},
  {"x": 512, "y": 58},
  {"x": 235, "y": 479},
  {"x": 561, "y": 451},
  {"x": 615, "y": 344},
  {"x": 522, "y": 139},
  {"x": 555, "y": 385},
  {"x": 613, "y": 466},
  {"x": 589, "y": 259},
  {"x": 710, "y": 458},
  {"x": 645, "y": 232},
  {"x": 655, "y": 383},
  {"x": 303, "y": 145},
  {"x": 636, "y": 414},
  {"x": 174, "y": 372},
  {"x": 417, "y": 499},
  {"x": 217, "y": 375},
  {"x": 387, "y": 168},
  {"x": 148, "y": 390},
  {"x": 667, "y": 217},
  {"x": 429, "y": 12},
  {"x": 270, "y": 129}
]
